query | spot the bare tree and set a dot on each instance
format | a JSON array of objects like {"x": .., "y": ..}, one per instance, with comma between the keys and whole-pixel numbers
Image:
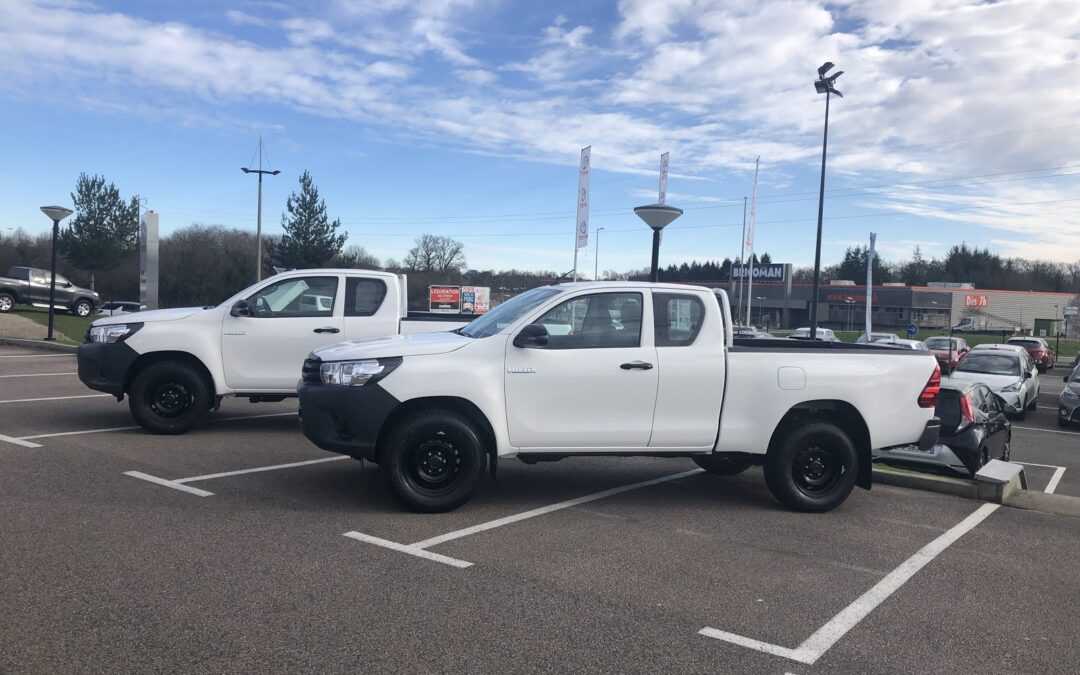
[
  {"x": 357, "y": 257},
  {"x": 433, "y": 253}
]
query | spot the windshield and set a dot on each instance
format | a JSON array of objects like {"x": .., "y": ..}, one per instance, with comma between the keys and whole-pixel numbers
[
  {"x": 1026, "y": 344},
  {"x": 508, "y": 312},
  {"x": 942, "y": 343},
  {"x": 991, "y": 364}
]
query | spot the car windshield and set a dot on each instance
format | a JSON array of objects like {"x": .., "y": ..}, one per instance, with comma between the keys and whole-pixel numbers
[
  {"x": 990, "y": 364},
  {"x": 942, "y": 343},
  {"x": 1026, "y": 344},
  {"x": 508, "y": 312}
]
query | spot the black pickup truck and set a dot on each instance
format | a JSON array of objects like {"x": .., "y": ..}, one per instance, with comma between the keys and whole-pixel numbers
[{"x": 30, "y": 286}]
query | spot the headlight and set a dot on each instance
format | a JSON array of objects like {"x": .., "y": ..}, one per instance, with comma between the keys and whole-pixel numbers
[
  {"x": 357, "y": 373},
  {"x": 113, "y": 332},
  {"x": 1012, "y": 388},
  {"x": 1070, "y": 394}
]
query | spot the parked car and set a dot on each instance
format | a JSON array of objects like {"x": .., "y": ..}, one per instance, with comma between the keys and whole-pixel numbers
[
  {"x": 823, "y": 334},
  {"x": 31, "y": 286},
  {"x": 1007, "y": 373},
  {"x": 1069, "y": 401},
  {"x": 918, "y": 345},
  {"x": 974, "y": 430},
  {"x": 878, "y": 337},
  {"x": 434, "y": 412},
  {"x": 175, "y": 365},
  {"x": 948, "y": 350},
  {"x": 1041, "y": 351},
  {"x": 118, "y": 307},
  {"x": 1015, "y": 349},
  {"x": 752, "y": 332}
]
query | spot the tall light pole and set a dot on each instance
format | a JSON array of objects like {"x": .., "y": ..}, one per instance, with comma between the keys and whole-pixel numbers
[
  {"x": 596, "y": 256},
  {"x": 657, "y": 216},
  {"x": 258, "y": 222},
  {"x": 827, "y": 86},
  {"x": 56, "y": 214},
  {"x": 761, "y": 309},
  {"x": 850, "y": 302}
]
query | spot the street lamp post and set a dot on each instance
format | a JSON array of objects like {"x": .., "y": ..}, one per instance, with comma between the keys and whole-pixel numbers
[
  {"x": 657, "y": 216},
  {"x": 827, "y": 86},
  {"x": 596, "y": 256},
  {"x": 761, "y": 309},
  {"x": 56, "y": 214},
  {"x": 850, "y": 302},
  {"x": 258, "y": 222}
]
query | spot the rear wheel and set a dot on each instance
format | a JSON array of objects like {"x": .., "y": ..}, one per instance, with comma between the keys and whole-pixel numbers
[
  {"x": 433, "y": 460},
  {"x": 7, "y": 302},
  {"x": 813, "y": 468},
  {"x": 169, "y": 397},
  {"x": 724, "y": 463}
]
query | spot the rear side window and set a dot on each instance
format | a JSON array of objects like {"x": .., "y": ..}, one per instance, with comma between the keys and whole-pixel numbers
[
  {"x": 363, "y": 297},
  {"x": 676, "y": 319},
  {"x": 948, "y": 408},
  {"x": 19, "y": 273}
]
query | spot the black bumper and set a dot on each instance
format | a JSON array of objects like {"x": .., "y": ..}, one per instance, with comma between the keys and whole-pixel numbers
[
  {"x": 345, "y": 420},
  {"x": 102, "y": 366},
  {"x": 930, "y": 434}
]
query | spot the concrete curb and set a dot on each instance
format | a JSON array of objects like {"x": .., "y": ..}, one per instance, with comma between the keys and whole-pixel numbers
[
  {"x": 39, "y": 345},
  {"x": 1062, "y": 505},
  {"x": 958, "y": 487}
]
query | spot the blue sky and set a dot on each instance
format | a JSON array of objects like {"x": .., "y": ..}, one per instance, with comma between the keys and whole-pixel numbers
[{"x": 466, "y": 117}]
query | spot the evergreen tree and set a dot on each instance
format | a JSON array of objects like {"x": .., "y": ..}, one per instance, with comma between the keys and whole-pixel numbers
[
  {"x": 105, "y": 229},
  {"x": 310, "y": 239}
]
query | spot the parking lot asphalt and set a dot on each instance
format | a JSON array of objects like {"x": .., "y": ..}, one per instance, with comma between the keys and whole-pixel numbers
[{"x": 104, "y": 571}]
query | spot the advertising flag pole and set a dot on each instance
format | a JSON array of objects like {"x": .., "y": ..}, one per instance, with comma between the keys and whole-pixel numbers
[{"x": 750, "y": 244}]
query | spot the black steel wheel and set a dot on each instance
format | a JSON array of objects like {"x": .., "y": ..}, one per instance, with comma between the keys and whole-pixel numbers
[
  {"x": 169, "y": 397},
  {"x": 432, "y": 460},
  {"x": 812, "y": 468}
]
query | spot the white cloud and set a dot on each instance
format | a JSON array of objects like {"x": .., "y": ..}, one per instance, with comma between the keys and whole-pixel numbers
[{"x": 244, "y": 19}]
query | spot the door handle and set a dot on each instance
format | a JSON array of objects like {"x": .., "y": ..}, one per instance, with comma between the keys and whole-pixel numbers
[
  {"x": 328, "y": 330},
  {"x": 636, "y": 365}
]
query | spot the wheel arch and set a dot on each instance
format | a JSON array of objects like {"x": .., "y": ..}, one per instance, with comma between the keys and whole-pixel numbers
[
  {"x": 843, "y": 415},
  {"x": 150, "y": 358},
  {"x": 461, "y": 406}
]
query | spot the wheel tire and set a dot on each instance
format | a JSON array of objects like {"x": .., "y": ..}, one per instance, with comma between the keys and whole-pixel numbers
[
  {"x": 82, "y": 308},
  {"x": 7, "y": 302},
  {"x": 1007, "y": 452},
  {"x": 724, "y": 463},
  {"x": 984, "y": 456},
  {"x": 433, "y": 460},
  {"x": 169, "y": 397},
  {"x": 1062, "y": 423},
  {"x": 1022, "y": 415},
  {"x": 1034, "y": 405},
  {"x": 813, "y": 468}
]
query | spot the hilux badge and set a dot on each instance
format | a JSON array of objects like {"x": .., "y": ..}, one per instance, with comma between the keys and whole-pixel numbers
[{"x": 520, "y": 371}]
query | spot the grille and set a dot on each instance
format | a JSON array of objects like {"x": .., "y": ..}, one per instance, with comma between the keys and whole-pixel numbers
[{"x": 310, "y": 374}]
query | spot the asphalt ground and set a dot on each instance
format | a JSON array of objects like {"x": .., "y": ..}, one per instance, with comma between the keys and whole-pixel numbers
[{"x": 105, "y": 572}]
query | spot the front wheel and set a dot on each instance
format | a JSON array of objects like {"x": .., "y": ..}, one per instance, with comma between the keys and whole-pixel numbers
[
  {"x": 724, "y": 463},
  {"x": 82, "y": 308},
  {"x": 432, "y": 461},
  {"x": 7, "y": 302},
  {"x": 813, "y": 468},
  {"x": 169, "y": 397}
]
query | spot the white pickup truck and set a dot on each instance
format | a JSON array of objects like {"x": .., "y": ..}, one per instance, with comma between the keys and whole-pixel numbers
[
  {"x": 616, "y": 369},
  {"x": 174, "y": 365}
]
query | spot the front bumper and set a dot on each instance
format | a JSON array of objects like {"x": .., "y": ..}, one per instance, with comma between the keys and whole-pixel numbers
[
  {"x": 104, "y": 365},
  {"x": 1013, "y": 404},
  {"x": 1068, "y": 411},
  {"x": 342, "y": 419}
]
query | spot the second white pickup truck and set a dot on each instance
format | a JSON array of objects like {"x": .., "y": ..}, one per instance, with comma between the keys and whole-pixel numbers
[
  {"x": 616, "y": 369},
  {"x": 174, "y": 365}
]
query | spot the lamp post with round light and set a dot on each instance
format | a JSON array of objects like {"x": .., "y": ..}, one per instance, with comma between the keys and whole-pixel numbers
[
  {"x": 657, "y": 216},
  {"x": 56, "y": 214}
]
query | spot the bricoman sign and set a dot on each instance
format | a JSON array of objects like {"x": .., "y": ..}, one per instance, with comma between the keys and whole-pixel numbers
[{"x": 771, "y": 272}]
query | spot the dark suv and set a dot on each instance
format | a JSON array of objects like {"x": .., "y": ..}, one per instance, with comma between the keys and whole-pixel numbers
[{"x": 30, "y": 286}]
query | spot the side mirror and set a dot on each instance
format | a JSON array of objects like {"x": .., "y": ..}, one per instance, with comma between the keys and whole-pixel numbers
[
  {"x": 533, "y": 335},
  {"x": 240, "y": 308},
  {"x": 1027, "y": 374}
]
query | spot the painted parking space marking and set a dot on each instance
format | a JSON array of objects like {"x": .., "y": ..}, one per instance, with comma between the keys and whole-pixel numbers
[
  {"x": 55, "y": 398},
  {"x": 37, "y": 356},
  {"x": 182, "y": 483},
  {"x": 130, "y": 428},
  {"x": 22, "y": 442},
  {"x": 411, "y": 549},
  {"x": 1046, "y": 431},
  {"x": 421, "y": 546},
  {"x": 4, "y": 377},
  {"x": 815, "y": 646},
  {"x": 1059, "y": 471}
]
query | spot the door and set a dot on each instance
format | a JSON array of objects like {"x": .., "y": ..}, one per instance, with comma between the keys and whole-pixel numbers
[
  {"x": 593, "y": 386},
  {"x": 289, "y": 318},
  {"x": 39, "y": 286},
  {"x": 370, "y": 308}
]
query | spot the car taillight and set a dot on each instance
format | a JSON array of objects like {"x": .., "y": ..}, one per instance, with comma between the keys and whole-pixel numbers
[
  {"x": 928, "y": 397},
  {"x": 967, "y": 416}
]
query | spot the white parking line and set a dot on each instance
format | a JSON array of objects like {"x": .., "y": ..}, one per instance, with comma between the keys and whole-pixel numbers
[
  {"x": 418, "y": 549},
  {"x": 825, "y": 637},
  {"x": 53, "y": 398},
  {"x": 1046, "y": 431},
  {"x": 37, "y": 356},
  {"x": 18, "y": 441},
  {"x": 169, "y": 483},
  {"x": 1059, "y": 471},
  {"x": 4, "y": 377},
  {"x": 181, "y": 483},
  {"x": 101, "y": 431}
]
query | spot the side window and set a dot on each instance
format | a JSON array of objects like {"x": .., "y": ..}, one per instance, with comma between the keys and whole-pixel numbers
[
  {"x": 39, "y": 277},
  {"x": 676, "y": 319},
  {"x": 363, "y": 297},
  {"x": 306, "y": 296},
  {"x": 19, "y": 273},
  {"x": 602, "y": 320}
]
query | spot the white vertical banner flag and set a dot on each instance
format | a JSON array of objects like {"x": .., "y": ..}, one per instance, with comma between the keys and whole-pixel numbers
[
  {"x": 750, "y": 244},
  {"x": 662, "y": 199},
  {"x": 870, "y": 281},
  {"x": 583, "y": 200}
]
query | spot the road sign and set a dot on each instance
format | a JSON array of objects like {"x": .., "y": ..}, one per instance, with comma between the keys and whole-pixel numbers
[{"x": 912, "y": 329}]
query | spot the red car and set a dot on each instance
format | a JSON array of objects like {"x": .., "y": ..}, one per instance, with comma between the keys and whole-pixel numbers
[
  {"x": 947, "y": 358},
  {"x": 1041, "y": 351}
]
